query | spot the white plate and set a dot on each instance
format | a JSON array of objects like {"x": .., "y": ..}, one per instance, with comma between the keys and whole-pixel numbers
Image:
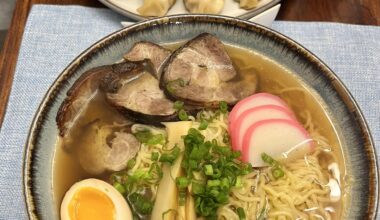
[{"x": 231, "y": 8}]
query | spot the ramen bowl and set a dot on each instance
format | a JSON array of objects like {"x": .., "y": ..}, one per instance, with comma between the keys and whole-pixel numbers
[{"x": 353, "y": 136}]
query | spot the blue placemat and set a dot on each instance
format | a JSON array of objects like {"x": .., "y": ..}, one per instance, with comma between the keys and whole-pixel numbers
[{"x": 54, "y": 35}]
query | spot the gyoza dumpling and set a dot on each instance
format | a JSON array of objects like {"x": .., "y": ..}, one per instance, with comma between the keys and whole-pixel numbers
[
  {"x": 248, "y": 4},
  {"x": 204, "y": 6},
  {"x": 155, "y": 7}
]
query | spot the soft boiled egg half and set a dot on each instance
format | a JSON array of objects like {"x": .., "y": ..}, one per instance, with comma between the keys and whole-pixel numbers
[{"x": 94, "y": 199}]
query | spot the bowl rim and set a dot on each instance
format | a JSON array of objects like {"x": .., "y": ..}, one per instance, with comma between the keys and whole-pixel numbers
[
  {"x": 137, "y": 17},
  {"x": 338, "y": 85}
]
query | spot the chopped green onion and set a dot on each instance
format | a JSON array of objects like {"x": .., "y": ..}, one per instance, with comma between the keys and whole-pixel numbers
[
  {"x": 155, "y": 156},
  {"x": 156, "y": 139},
  {"x": 198, "y": 153},
  {"x": 171, "y": 156},
  {"x": 170, "y": 85},
  {"x": 246, "y": 168},
  {"x": 277, "y": 173},
  {"x": 238, "y": 182},
  {"x": 142, "y": 205},
  {"x": 211, "y": 183},
  {"x": 143, "y": 136},
  {"x": 223, "y": 150},
  {"x": 182, "y": 115},
  {"x": 182, "y": 182},
  {"x": 194, "y": 137},
  {"x": 147, "y": 137},
  {"x": 119, "y": 188},
  {"x": 268, "y": 159},
  {"x": 131, "y": 163},
  {"x": 213, "y": 170},
  {"x": 229, "y": 175},
  {"x": 225, "y": 184},
  {"x": 222, "y": 198},
  {"x": 241, "y": 213},
  {"x": 137, "y": 178},
  {"x": 169, "y": 88},
  {"x": 206, "y": 207},
  {"x": 208, "y": 169},
  {"x": 223, "y": 107},
  {"x": 181, "y": 82},
  {"x": 203, "y": 125},
  {"x": 203, "y": 116},
  {"x": 178, "y": 105},
  {"x": 193, "y": 164},
  {"x": 197, "y": 188},
  {"x": 214, "y": 192},
  {"x": 155, "y": 171},
  {"x": 217, "y": 173}
]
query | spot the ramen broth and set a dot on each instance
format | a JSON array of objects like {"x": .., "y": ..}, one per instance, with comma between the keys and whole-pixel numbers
[{"x": 273, "y": 78}]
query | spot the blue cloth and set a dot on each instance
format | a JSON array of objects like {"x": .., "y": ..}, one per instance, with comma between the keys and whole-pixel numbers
[{"x": 55, "y": 35}]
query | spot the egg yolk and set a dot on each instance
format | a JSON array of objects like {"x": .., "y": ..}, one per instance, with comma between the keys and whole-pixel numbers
[{"x": 91, "y": 204}]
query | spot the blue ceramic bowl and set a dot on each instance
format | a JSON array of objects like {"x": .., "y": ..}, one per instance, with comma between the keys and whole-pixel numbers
[{"x": 358, "y": 148}]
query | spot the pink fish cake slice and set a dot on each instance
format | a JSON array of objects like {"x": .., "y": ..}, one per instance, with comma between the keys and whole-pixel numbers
[
  {"x": 278, "y": 138},
  {"x": 251, "y": 116}
]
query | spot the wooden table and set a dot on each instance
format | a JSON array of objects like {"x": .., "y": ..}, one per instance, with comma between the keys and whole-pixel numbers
[{"x": 365, "y": 12}]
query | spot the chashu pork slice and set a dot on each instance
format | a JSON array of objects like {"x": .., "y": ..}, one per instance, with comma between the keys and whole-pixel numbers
[
  {"x": 101, "y": 148},
  {"x": 83, "y": 91},
  {"x": 146, "y": 50},
  {"x": 201, "y": 73},
  {"x": 138, "y": 97}
]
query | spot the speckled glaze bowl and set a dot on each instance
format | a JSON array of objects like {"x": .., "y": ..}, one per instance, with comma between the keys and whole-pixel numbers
[{"x": 358, "y": 148}]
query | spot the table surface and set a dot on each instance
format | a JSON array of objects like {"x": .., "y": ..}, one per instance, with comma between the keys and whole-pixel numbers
[{"x": 365, "y": 12}]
